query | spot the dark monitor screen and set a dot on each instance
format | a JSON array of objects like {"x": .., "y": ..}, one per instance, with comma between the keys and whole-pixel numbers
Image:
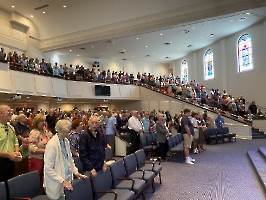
[{"x": 102, "y": 90}]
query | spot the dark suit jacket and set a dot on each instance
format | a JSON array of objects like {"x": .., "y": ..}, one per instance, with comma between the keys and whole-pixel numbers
[{"x": 161, "y": 132}]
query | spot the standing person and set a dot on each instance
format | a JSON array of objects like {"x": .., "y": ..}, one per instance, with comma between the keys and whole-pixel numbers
[
  {"x": 22, "y": 130},
  {"x": 194, "y": 121},
  {"x": 38, "y": 140},
  {"x": 92, "y": 148},
  {"x": 161, "y": 136},
  {"x": 111, "y": 130},
  {"x": 146, "y": 123},
  {"x": 187, "y": 129},
  {"x": 51, "y": 120},
  {"x": 59, "y": 165},
  {"x": 219, "y": 121},
  {"x": 253, "y": 108},
  {"x": 9, "y": 147},
  {"x": 135, "y": 129},
  {"x": 74, "y": 137}
]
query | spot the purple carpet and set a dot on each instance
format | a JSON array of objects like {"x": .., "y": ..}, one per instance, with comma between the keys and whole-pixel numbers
[{"x": 222, "y": 172}]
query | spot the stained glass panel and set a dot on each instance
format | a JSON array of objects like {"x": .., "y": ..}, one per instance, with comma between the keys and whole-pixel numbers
[
  {"x": 244, "y": 53},
  {"x": 208, "y": 65},
  {"x": 184, "y": 71}
]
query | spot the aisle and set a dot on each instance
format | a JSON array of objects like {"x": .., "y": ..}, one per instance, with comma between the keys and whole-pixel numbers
[{"x": 223, "y": 172}]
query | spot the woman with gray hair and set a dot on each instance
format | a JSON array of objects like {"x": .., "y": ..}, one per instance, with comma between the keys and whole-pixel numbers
[{"x": 59, "y": 165}]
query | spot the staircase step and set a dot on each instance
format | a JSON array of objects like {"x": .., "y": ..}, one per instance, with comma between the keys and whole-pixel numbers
[
  {"x": 262, "y": 151},
  {"x": 259, "y": 166},
  {"x": 255, "y": 129},
  {"x": 258, "y": 136},
  {"x": 258, "y": 133}
]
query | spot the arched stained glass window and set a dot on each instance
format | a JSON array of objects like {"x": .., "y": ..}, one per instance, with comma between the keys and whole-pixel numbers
[
  {"x": 184, "y": 71},
  {"x": 208, "y": 65},
  {"x": 244, "y": 53}
]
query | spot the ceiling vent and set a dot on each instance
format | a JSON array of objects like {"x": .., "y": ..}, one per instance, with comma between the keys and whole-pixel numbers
[
  {"x": 242, "y": 19},
  {"x": 41, "y": 7}
]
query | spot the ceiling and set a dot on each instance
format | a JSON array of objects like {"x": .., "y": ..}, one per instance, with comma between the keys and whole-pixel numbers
[{"x": 149, "y": 47}]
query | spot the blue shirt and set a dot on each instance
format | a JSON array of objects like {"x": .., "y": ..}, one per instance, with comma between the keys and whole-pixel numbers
[
  {"x": 146, "y": 124},
  {"x": 109, "y": 126},
  {"x": 219, "y": 121}
]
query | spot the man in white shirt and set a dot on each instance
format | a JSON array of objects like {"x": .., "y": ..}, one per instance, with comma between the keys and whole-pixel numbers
[{"x": 135, "y": 129}]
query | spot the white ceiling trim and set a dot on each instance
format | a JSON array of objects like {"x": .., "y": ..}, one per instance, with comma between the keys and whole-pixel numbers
[{"x": 151, "y": 23}]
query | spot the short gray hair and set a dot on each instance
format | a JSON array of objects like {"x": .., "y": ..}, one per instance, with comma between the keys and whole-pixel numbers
[{"x": 63, "y": 125}]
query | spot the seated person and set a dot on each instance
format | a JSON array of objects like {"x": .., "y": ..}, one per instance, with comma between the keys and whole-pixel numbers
[{"x": 219, "y": 121}]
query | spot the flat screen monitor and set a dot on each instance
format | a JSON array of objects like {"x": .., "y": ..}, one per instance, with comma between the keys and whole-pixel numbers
[{"x": 102, "y": 90}]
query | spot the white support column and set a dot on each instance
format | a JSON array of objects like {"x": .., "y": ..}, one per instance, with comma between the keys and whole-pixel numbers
[{"x": 223, "y": 61}]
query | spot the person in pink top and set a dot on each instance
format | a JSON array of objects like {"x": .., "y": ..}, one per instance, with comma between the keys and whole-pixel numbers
[{"x": 38, "y": 139}]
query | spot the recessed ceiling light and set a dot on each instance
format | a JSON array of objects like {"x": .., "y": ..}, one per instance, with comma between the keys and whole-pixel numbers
[
  {"x": 124, "y": 50},
  {"x": 64, "y": 6},
  {"x": 146, "y": 46},
  {"x": 193, "y": 27},
  {"x": 43, "y": 12},
  {"x": 31, "y": 16},
  {"x": 78, "y": 55},
  {"x": 115, "y": 58},
  {"x": 101, "y": 53},
  {"x": 133, "y": 56},
  {"x": 232, "y": 21},
  {"x": 137, "y": 38},
  {"x": 161, "y": 58},
  {"x": 185, "y": 31},
  {"x": 201, "y": 37},
  {"x": 211, "y": 35},
  {"x": 178, "y": 49},
  {"x": 28, "y": 97},
  {"x": 70, "y": 50},
  {"x": 13, "y": 6},
  {"x": 161, "y": 34},
  {"x": 153, "y": 52},
  {"x": 91, "y": 46},
  {"x": 248, "y": 13}
]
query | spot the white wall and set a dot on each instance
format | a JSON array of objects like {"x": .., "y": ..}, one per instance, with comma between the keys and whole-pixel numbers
[
  {"x": 250, "y": 84},
  {"x": 18, "y": 33}
]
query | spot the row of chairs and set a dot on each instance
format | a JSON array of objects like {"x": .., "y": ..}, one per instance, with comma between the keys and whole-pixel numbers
[
  {"x": 124, "y": 179},
  {"x": 216, "y": 134},
  {"x": 25, "y": 186},
  {"x": 149, "y": 144},
  {"x": 176, "y": 146}
]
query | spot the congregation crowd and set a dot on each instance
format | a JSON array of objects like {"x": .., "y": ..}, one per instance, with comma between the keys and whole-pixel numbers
[
  {"x": 196, "y": 92},
  {"x": 52, "y": 139}
]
